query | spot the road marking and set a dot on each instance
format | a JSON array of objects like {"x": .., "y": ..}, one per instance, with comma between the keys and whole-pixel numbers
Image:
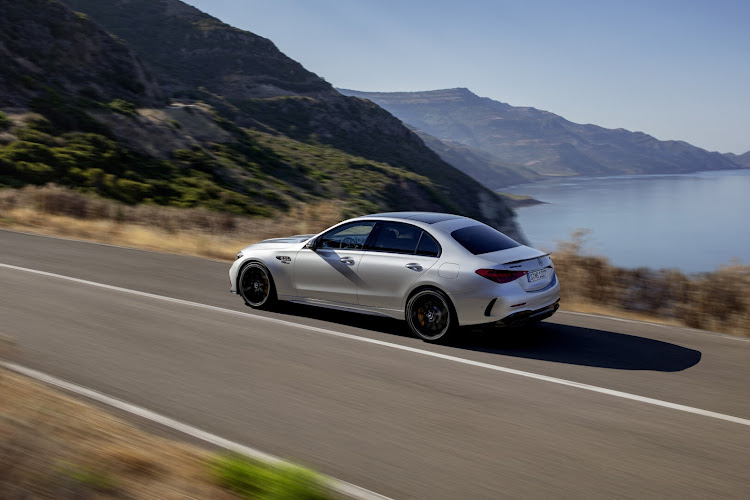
[
  {"x": 448, "y": 357},
  {"x": 349, "y": 489}
]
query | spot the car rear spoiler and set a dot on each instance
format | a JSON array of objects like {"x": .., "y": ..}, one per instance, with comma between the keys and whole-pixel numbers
[{"x": 524, "y": 260}]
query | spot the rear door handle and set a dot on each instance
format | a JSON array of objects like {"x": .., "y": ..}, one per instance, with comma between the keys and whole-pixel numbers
[
  {"x": 414, "y": 266},
  {"x": 347, "y": 260}
]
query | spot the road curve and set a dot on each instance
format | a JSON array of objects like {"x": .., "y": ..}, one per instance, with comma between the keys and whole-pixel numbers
[{"x": 385, "y": 415}]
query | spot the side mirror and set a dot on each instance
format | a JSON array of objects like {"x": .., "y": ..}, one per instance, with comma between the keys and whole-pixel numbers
[{"x": 312, "y": 244}]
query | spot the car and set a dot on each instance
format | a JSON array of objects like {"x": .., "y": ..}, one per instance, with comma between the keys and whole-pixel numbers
[{"x": 435, "y": 271}]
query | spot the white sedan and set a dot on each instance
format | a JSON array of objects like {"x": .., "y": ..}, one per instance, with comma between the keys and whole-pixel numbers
[{"x": 436, "y": 271}]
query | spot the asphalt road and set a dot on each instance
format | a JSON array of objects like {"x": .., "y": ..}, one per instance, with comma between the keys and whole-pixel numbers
[{"x": 398, "y": 422}]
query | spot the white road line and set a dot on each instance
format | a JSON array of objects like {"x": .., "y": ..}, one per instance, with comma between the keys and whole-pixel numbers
[
  {"x": 349, "y": 489},
  {"x": 455, "y": 359}
]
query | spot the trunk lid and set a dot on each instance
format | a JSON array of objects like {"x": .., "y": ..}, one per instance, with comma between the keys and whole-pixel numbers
[{"x": 537, "y": 265}]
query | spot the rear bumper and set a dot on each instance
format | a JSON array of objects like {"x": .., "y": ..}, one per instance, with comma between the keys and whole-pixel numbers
[
  {"x": 524, "y": 317},
  {"x": 510, "y": 303}
]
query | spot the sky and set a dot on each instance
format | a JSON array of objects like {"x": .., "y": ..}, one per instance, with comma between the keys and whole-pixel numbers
[{"x": 673, "y": 69}]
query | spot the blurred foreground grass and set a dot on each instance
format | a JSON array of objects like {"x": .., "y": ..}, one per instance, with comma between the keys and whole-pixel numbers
[
  {"x": 52, "y": 446},
  {"x": 717, "y": 301}
]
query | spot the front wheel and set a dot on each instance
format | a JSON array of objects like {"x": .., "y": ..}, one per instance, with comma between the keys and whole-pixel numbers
[
  {"x": 430, "y": 315},
  {"x": 256, "y": 286}
]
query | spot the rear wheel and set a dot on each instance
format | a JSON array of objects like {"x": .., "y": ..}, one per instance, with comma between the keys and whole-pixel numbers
[
  {"x": 256, "y": 286},
  {"x": 430, "y": 315}
]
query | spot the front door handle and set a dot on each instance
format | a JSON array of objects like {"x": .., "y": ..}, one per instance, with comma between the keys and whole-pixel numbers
[
  {"x": 347, "y": 260},
  {"x": 414, "y": 266}
]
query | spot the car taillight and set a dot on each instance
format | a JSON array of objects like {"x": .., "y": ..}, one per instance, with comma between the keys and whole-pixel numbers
[{"x": 500, "y": 276}]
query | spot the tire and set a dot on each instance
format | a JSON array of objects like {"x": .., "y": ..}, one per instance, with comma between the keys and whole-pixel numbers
[
  {"x": 431, "y": 316},
  {"x": 256, "y": 286}
]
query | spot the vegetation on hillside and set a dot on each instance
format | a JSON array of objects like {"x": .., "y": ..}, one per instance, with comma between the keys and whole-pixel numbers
[
  {"x": 258, "y": 173},
  {"x": 94, "y": 163}
]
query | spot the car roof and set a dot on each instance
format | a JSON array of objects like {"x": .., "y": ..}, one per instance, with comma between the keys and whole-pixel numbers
[{"x": 426, "y": 217}]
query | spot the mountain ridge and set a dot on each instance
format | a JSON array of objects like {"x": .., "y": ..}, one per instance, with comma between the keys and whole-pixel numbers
[
  {"x": 188, "y": 48},
  {"x": 539, "y": 140}
]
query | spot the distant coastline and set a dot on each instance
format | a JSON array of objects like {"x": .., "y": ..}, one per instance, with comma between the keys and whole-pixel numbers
[{"x": 516, "y": 201}]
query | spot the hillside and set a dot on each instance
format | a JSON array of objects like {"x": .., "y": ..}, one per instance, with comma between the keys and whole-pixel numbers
[
  {"x": 743, "y": 159},
  {"x": 541, "y": 141},
  {"x": 186, "y": 49},
  {"x": 46, "y": 49},
  {"x": 191, "y": 112},
  {"x": 494, "y": 172}
]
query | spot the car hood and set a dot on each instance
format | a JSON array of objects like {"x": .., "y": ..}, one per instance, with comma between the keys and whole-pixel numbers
[
  {"x": 512, "y": 255},
  {"x": 281, "y": 243}
]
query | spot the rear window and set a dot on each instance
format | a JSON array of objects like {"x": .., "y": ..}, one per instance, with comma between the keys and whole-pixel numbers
[{"x": 483, "y": 239}]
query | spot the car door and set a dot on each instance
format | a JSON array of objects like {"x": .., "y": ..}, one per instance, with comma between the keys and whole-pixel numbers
[
  {"x": 398, "y": 255},
  {"x": 329, "y": 272}
]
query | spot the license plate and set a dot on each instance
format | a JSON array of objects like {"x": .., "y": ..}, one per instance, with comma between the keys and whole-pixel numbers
[{"x": 537, "y": 275}]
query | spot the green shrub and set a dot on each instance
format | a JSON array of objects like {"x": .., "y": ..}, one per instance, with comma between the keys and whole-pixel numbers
[
  {"x": 28, "y": 151},
  {"x": 33, "y": 135},
  {"x": 132, "y": 191},
  {"x": 5, "y": 122},
  {"x": 41, "y": 124},
  {"x": 254, "y": 480},
  {"x": 123, "y": 107},
  {"x": 34, "y": 173}
]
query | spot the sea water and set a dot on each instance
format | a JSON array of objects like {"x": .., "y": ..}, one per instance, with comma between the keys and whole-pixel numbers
[{"x": 694, "y": 222}]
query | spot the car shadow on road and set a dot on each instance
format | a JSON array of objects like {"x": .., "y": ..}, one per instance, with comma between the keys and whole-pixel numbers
[
  {"x": 546, "y": 341},
  {"x": 577, "y": 345}
]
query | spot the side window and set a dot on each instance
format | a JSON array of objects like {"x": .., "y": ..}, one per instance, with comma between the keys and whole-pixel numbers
[
  {"x": 428, "y": 246},
  {"x": 397, "y": 237},
  {"x": 350, "y": 236}
]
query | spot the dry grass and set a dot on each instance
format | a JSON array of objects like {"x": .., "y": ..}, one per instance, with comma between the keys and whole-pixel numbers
[
  {"x": 717, "y": 301},
  {"x": 52, "y": 446},
  {"x": 59, "y": 211}
]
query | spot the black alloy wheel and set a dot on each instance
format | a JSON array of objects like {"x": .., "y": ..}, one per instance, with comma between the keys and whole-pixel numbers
[
  {"x": 256, "y": 286},
  {"x": 430, "y": 315}
]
